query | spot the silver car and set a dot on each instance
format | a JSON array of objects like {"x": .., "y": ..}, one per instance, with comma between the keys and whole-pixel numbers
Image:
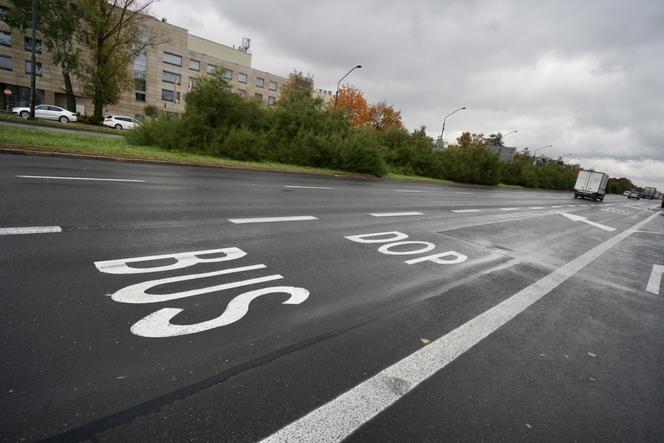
[{"x": 47, "y": 112}]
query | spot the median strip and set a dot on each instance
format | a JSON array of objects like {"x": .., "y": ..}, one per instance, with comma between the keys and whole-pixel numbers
[
  {"x": 30, "y": 230},
  {"x": 239, "y": 221}
]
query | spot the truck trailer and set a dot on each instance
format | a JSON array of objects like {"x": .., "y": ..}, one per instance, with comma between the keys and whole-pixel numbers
[
  {"x": 591, "y": 184},
  {"x": 649, "y": 192}
]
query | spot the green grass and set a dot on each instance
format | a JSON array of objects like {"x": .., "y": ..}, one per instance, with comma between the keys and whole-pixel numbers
[{"x": 55, "y": 124}]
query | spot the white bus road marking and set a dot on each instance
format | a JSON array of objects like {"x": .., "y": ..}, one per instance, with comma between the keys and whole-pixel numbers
[
  {"x": 394, "y": 214},
  {"x": 239, "y": 221},
  {"x": 576, "y": 218},
  {"x": 30, "y": 230},
  {"x": 307, "y": 187},
  {"x": 655, "y": 279},
  {"x": 339, "y": 418},
  {"x": 461, "y": 211},
  {"x": 49, "y": 177}
]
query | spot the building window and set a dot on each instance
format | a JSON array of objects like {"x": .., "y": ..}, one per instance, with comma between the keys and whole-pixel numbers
[
  {"x": 38, "y": 45},
  {"x": 3, "y": 12},
  {"x": 273, "y": 86},
  {"x": 141, "y": 66},
  {"x": 260, "y": 82},
  {"x": 193, "y": 84},
  {"x": 271, "y": 100},
  {"x": 28, "y": 68},
  {"x": 167, "y": 95},
  {"x": 242, "y": 93},
  {"x": 139, "y": 86},
  {"x": 5, "y": 62},
  {"x": 172, "y": 59},
  {"x": 258, "y": 97},
  {"x": 194, "y": 65},
  {"x": 5, "y": 38},
  {"x": 171, "y": 77},
  {"x": 228, "y": 74},
  {"x": 211, "y": 69},
  {"x": 241, "y": 77}
]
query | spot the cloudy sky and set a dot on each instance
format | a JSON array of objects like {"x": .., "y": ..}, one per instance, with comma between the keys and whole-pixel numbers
[{"x": 584, "y": 76}]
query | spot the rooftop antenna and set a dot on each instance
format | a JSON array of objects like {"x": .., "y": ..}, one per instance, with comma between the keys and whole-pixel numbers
[{"x": 246, "y": 44}]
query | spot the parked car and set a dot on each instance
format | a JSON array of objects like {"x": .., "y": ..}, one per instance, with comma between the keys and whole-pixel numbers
[
  {"x": 634, "y": 194},
  {"x": 47, "y": 112},
  {"x": 121, "y": 122}
]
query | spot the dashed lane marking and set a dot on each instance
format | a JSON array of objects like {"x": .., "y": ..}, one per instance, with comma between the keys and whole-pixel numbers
[
  {"x": 239, "y": 221},
  {"x": 406, "y": 190},
  {"x": 460, "y": 211},
  {"x": 307, "y": 187},
  {"x": 97, "y": 179},
  {"x": 394, "y": 214},
  {"x": 339, "y": 418},
  {"x": 536, "y": 207},
  {"x": 30, "y": 230},
  {"x": 509, "y": 209}
]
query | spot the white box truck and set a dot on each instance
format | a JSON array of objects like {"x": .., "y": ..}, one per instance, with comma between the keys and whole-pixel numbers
[{"x": 591, "y": 184}]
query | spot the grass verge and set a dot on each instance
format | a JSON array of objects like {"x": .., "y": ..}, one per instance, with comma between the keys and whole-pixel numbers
[{"x": 54, "y": 124}]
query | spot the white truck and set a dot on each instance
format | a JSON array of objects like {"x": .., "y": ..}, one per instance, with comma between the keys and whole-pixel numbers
[{"x": 591, "y": 184}]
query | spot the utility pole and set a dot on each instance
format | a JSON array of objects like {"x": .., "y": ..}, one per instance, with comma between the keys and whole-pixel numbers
[{"x": 33, "y": 63}]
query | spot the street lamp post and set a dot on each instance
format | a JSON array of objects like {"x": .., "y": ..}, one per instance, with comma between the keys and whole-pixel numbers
[
  {"x": 535, "y": 151},
  {"x": 336, "y": 95},
  {"x": 442, "y": 132},
  {"x": 511, "y": 132},
  {"x": 33, "y": 64}
]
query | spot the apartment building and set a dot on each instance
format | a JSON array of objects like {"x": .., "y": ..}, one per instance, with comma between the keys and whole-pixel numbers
[{"x": 163, "y": 75}]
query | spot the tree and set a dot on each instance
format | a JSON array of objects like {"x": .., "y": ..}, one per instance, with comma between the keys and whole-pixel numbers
[
  {"x": 58, "y": 22},
  {"x": 113, "y": 35},
  {"x": 384, "y": 116},
  {"x": 352, "y": 102},
  {"x": 297, "y": 83},
  {"x": 468, "y": 140}
]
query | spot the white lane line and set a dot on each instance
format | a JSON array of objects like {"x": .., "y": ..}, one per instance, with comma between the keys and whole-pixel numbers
[
  {"x": 307, "y": 187},
  {"x": 558, "y": 206},
  {"x": 459, "y": 192},
  {"x": 509, "y": 209},
  {"x": 655, "y": 279},
  {"x": 239, "y": 221},
  {"x": 536, "y": 207},
  {"x": 30, "y": 230},
  {"x": 405, "y": 190},
  {"x": 49, "y": 177},
  {"x": 394, "y": 214},
  {"x": 339, "y": 418},
  {"x": 461, "y": 211}
]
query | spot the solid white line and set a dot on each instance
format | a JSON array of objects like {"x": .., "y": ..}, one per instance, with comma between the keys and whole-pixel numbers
[
  {"x": 82, "y": 178},
  {"x": 307, "y": 187},
  {"x": 30, "y": 230},
  {"x": 339, "y": 418},
  {"x": 405, "y": 190},
  {"x": 394, "y": 214},
  {"x": 239, "y": 221},
  {"x": 509, "y": 209},
  {"x": 460, "y": 211},
  {"x": 655, "y": 279}
]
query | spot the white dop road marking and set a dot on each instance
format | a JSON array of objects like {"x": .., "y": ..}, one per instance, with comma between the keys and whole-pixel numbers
[
  {"x": 405, "y": 190},
  {"x": 466, "y": 210},
  {"x": 83, "y": 178},
  {"x": 394, "y": 214},
  {"x": 342, "y": 416},
  {"x": 655, "y": 279},
  {"x": 30, "y": 230},
  {"x": 307, "y": 187},
  {"x": 239, "y": 221}
]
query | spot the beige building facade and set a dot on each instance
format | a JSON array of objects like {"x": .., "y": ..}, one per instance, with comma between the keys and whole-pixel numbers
[{"x": 163, "y": 75}]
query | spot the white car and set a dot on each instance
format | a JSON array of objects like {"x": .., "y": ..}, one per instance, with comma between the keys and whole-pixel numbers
[
  {"x": 121, "y": 122},
  {"x": 47, "y": 112}
]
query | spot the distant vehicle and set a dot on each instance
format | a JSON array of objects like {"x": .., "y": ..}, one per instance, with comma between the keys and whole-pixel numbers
[
  {"x": 634, "y": 194},
  {"x": 591, "y": 184},
  {"x": 649, "y": 192},
  {"x": 47, "y": 112},
  {"x": 121, "y": 122},
  {"x": 627, "y": 193}
]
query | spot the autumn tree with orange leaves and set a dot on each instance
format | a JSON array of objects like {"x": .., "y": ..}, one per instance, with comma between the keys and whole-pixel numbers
[
  {"x": 384, "y": 116},
  {"x": 362, "y": 115}
]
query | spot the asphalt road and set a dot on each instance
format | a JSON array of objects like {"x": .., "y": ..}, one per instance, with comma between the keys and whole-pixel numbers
[{"x": 173, "y": 303}]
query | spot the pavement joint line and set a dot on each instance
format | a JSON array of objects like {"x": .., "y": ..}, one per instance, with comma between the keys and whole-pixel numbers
[
  {"x": 340, "y": 417},
  {"x": 394, "y": 214},
  {"x": 307, "y": 187},
  {"x": 30, "y": 230},
  {"x": 239, "y": 221},
  {"x": 49, "y": 177}
]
